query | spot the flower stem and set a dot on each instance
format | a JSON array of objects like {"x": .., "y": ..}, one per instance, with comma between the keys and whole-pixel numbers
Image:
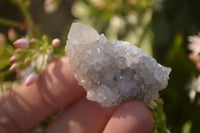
[
  {"x": 28, "y": 19},
  {"x": 43, "y": 60},
  {"x": 10, "y": 23}
]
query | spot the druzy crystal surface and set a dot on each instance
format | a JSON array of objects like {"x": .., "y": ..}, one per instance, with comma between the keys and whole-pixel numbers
[{"x": 113, "y": 72}]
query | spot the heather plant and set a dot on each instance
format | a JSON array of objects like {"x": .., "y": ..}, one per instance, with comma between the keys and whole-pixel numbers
[{"x": 161, "y": 28}]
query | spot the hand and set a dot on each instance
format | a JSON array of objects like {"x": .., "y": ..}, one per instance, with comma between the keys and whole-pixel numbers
[{"x": 23, "y": 107}]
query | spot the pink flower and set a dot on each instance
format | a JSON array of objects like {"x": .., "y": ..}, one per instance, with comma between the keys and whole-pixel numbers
[
  {"x": 198, "y": 65},
  {"x": 13, "y": 59},
  {"x": 32, "y": 41},
  {"x": 193, "y": 57},
  {"x": 31, "y": 78},
  {"x": 56, "y": 42},
  {"x": 194, "y": 44},
  {"x": 12, "y": 35},
  {"x": 192, "y": 95},
  {"x": 21, "y": 43},
  {"x": 26, "y": 62},
  {"x": 17, "y": 50},
  {"x": 13, "y": 67}
]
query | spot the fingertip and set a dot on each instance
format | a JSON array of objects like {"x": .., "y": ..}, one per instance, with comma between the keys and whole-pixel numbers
[
  {"x": 131, "y": 117},
  {"x": 84, "y": 116}
]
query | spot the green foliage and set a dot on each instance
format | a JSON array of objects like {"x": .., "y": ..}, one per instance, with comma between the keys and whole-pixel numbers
[
  {"x": 6, "y": 52},
  {"x": 171, "y": 28},
  {"x": 160, "y": 125}
]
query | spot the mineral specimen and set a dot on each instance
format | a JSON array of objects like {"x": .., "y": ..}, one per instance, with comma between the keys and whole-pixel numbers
[{"x": 113, "y": 72}]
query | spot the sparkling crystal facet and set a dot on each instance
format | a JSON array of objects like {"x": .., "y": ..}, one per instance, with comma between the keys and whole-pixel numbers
[{"x": 113, "y": 72}]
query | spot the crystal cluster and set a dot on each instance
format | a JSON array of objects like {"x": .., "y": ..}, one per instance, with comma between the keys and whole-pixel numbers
[{"x": 113, "y": 72}]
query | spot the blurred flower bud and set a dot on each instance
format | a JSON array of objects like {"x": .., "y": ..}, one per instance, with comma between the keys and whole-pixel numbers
[
  {"x": 17, "y": 50},
  {"x": 50, "y": 6},
  {"x": 12, "y": 35},
  {"x": 13, "y": 67},
  {"x": 21, "y": 43},
  {"x": 13, "y": 59},
  {"x": 198, "y": 65},
  {"x": 26, "y": 62},
  {"x": 45, "y": 38},
  {"x": 192, "y": 95},
  {"x": 31, "y": 78},
  {"x": 2, "y": 38},
  {"x": 56, "y": 42},
  {"x": 193, "y": 57},
  {"x": 32, "y": 41},
  {"x": 194, "y": 44}
]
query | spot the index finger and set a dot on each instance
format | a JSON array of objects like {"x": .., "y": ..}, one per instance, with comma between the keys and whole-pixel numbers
[{"x": 23, "y": 107}]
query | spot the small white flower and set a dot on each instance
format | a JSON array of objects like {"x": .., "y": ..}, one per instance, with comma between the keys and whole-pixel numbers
[
  {"x": 194, "y": 44},
  {"x": 168, "y": 131},
  {"x": 192, "y": 95},
  {"x": 194, "y": 88}
]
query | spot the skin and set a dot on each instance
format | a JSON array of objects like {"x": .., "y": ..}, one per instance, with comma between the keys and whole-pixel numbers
[{"x": 22, "y": 108}]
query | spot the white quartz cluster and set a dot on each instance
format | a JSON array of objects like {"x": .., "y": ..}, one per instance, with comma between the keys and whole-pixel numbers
[{"x": 113, "y": 72}]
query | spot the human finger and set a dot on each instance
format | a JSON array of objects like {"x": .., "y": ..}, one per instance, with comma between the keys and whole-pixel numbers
[
  {"x": 82, "y": 117},
  {"x": 23, "y": 107},
  {"x": 131, "y": 117}
]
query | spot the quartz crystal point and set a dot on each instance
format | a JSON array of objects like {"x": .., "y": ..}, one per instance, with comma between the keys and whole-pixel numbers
[{"x": 113, "y": 72}]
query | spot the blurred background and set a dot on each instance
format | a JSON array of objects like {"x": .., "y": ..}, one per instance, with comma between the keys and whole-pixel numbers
[{"x": 162, "y": 28}]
